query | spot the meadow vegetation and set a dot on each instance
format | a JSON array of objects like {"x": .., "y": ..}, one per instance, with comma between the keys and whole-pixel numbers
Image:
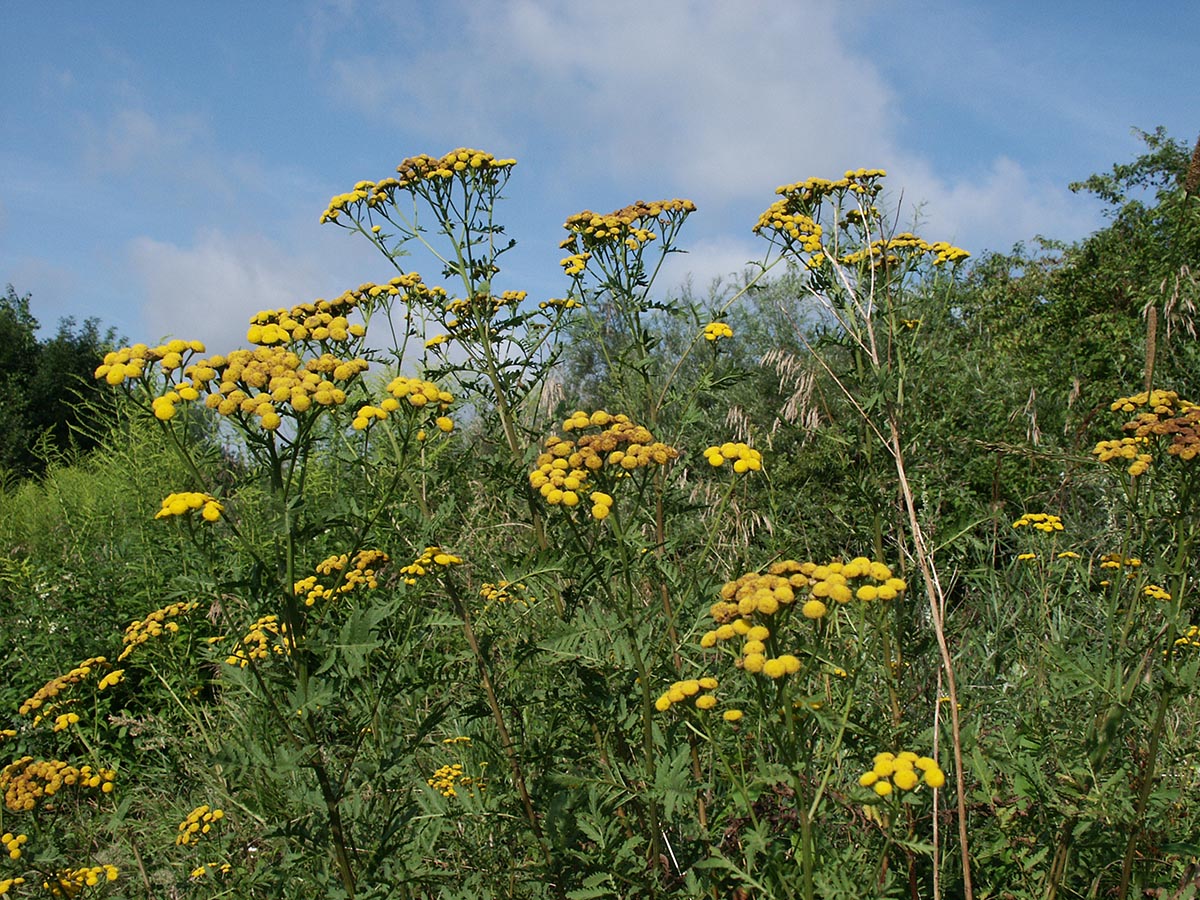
[{"x": 868, "y": 572}]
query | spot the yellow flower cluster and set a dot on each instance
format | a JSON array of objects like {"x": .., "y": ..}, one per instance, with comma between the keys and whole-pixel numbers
[
  {"x": 254, "y": 382},
  {"x": 696, "y": 689},
  {"x": 457, "y": 313},
  {"x": 55, "y": 686},
  {"x": 793, "y": 217},
  {"x": 714, "y": 331},
  {"x": 797, "y": 229},
  {"x": 1041, "y": 521},
  {"x": 322, "y": 321},
  {"x": 430, "y": 559},
  {"x": 504, "y": 592},
  {"x": 811, "y": 191},
  {"x": 129, "y": 363},
  {"x": 890, "y": 251},
  {"x": 631, "y": 226},
  {"x": 182, "y": 503},
  {"x": 218, "y": 868},
  {"x": 26, "y": 781},
  {"x": 155, "y": 624},
  {"x": 13, "y": 843},
  {"x": 65, "y": 720},
  {"x": 766, "y": 594},
  {"x": 409, "y": 393},
  {"x": 449, "y": 778},
  {"x": 565, "y": 471},
  {"x": 1156, "y": 592},
  {"x": 468, "y": 165},
  {"x": 1126, "y": 448},
  {"x": 560, "y": 303},
  {"x": 363, "y": 573},
  {"x": 70, "y": 882},
  {"x": 1160, "y": 402},
  {"x": 199, "y": 822},
  {"x": 744, "y": 458},
  {"x": 7, "y": 884},
  {"x": 902, "y": 771},
  {"x": 575, "y": 264},
  {"x": 1115, "y": 561},
  {"x": 265, "y": 636},
  {"x": 1190, "y": 638}
]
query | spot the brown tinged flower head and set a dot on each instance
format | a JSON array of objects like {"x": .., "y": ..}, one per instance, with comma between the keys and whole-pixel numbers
[
  {"x": 161, "y": 621},
  {"x": 58, "y": 685},
  {"x": 749, "y": 605},
  {"x": 27, "y": 781},
  {"x": 418, "y": 175},
  {"x": 632, "y": 226},
  {"x": 1160, "y": 416},
  {"x": 606, "y": 449},
  {"x": 266, "y": 636}
]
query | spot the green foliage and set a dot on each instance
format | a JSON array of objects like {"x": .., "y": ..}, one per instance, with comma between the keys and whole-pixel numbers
[{"x": 756, "y": 623}]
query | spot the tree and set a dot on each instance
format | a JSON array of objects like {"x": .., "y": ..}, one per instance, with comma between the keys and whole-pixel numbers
[{"x": 49, "y": 402}]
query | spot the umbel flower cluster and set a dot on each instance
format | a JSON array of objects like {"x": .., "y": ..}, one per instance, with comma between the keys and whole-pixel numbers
[
  {"x": 156, "y": 623},
  {"x": 447, "y": 780},
  {"x": 714, "y": 331},
  {"x": 891, "y": 252},
  {"x": 69, "y": 882},
  {"x": 1040, "y": 521},
  {"x": 431, "y": 560},
  {"x": 199, "y": 822},
  {"x": 263, "y": 385},
  {"x": 696, "y": 690},
  {"x": 421, "y": 174},
  {"x": 788, "y": 581},
  {"x": 902, "y": 771},
  {"x": 27, "y": 781},
  {"x": 570, "y": 469},
  {"x": 631, "y": 226},
  {"x": 61, "y": 683},
  {"x": 13, "y": 844},
  {"x": 744, "y": 458},
  {"x": 266, "y": 636},
  {"x": 1159, "y": 415},
  {"x": 794, "y": 223},
  {"x": 322, "y": 321},
  {"x": 180, "y": 504},
  {"x": 410, "y": 394},
  {"x": 505, "y": 592},
  {"x": 347, "y": 576}
]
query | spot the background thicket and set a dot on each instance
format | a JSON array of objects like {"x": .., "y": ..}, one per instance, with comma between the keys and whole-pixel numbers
[{"x": 1076, "y": 738}]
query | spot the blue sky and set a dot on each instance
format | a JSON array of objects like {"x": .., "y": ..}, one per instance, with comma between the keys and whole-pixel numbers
[{"x": 163, "y": 165}]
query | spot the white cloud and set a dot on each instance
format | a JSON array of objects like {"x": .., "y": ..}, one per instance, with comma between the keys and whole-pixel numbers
[
  {"x": 989, "y": 209},
  {"x": 718, "y": 102},
  {"x": 209, "y": 290},
  {"x": 131, "y": 139}
]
